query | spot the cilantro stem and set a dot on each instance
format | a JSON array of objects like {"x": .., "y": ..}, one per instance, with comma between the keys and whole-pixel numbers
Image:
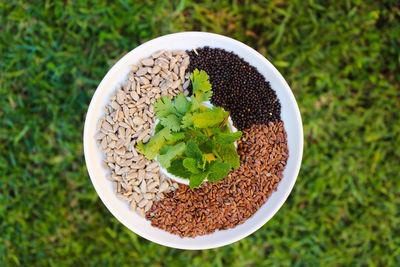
[
  {"x": 224, "y": 121},
  {"x": 222, "y": 124}
]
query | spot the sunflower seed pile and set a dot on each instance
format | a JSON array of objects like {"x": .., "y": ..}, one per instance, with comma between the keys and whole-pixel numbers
[{"x": 130, "y": 118}]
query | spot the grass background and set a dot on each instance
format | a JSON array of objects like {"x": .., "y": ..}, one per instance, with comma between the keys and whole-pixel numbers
[{"x": 341, "y": 59}]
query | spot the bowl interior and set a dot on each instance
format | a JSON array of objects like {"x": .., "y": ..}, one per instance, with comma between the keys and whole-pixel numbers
[{"x": 187, "y": 40}]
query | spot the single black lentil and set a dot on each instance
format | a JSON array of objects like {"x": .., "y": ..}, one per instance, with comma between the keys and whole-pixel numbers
[{"x": 237, "y": 87}]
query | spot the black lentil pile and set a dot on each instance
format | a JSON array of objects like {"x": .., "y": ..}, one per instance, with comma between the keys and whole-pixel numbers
[{"x": 237, "y": 87}]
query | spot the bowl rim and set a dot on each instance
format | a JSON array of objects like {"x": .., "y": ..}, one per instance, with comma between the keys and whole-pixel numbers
[{"x": 295, "y": 167}]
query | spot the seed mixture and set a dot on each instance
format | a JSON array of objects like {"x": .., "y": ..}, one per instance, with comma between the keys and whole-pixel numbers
[
  {"x": 237, "y": 87},
  {"x": 130, "y": 118},
  {"x": 189, "y": 213}
]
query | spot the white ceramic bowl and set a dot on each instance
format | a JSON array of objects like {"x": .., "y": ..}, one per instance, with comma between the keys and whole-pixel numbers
[{"x": 188, "y": 40}]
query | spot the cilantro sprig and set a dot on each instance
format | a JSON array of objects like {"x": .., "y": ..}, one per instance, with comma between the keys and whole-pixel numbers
[{"x": 191, "y": 140}]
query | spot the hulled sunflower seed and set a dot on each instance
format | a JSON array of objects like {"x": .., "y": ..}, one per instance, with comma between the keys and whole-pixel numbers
[
  {"x": 157, "y": 54},
  {"x": 147, "y": 62},
  {"x": 130, "y": 117},
  {"x": 141, "y": 72}
]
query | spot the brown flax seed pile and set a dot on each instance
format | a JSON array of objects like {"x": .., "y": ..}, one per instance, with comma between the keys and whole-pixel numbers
[{"x": 263, "y": 152}]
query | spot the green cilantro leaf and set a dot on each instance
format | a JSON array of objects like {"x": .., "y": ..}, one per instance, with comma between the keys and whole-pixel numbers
[
  {"x": 199, "y": 137},
  {"x": 163, "y": 107},
  {"x": 201, "y": 88},
  {"x": 171, "y": 122},
  {"x": 163, "y": 150},
  {"x": 225, "y": 138},
  {"x": 196, "y": 179},
  {"x": 168, "y": 153},
  {"x": 193, "y": 151},
  {"x": 196, "y": 104},
  {"x": 187, "y": 120},
  {"x": 218, "y": 171},
  {"x": 158, "y": 128},
  {"x": 200, "y": 81},
  {"x": 208, "y": 146},
  {"x": 151, "y": 148},
  {"x": 177, "y": 169},
  {"x": 182, "y": 105},
  {"x": 191, "y": 165},
  {"x": 175, "y": 137},
  {"x": 225, "y": 129},
  {"x": 199, "y": 98},
  {"x": 210, "y": 118},
  {"x": 228, "y": 154},
  {"x": 206, "y": 96}
]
